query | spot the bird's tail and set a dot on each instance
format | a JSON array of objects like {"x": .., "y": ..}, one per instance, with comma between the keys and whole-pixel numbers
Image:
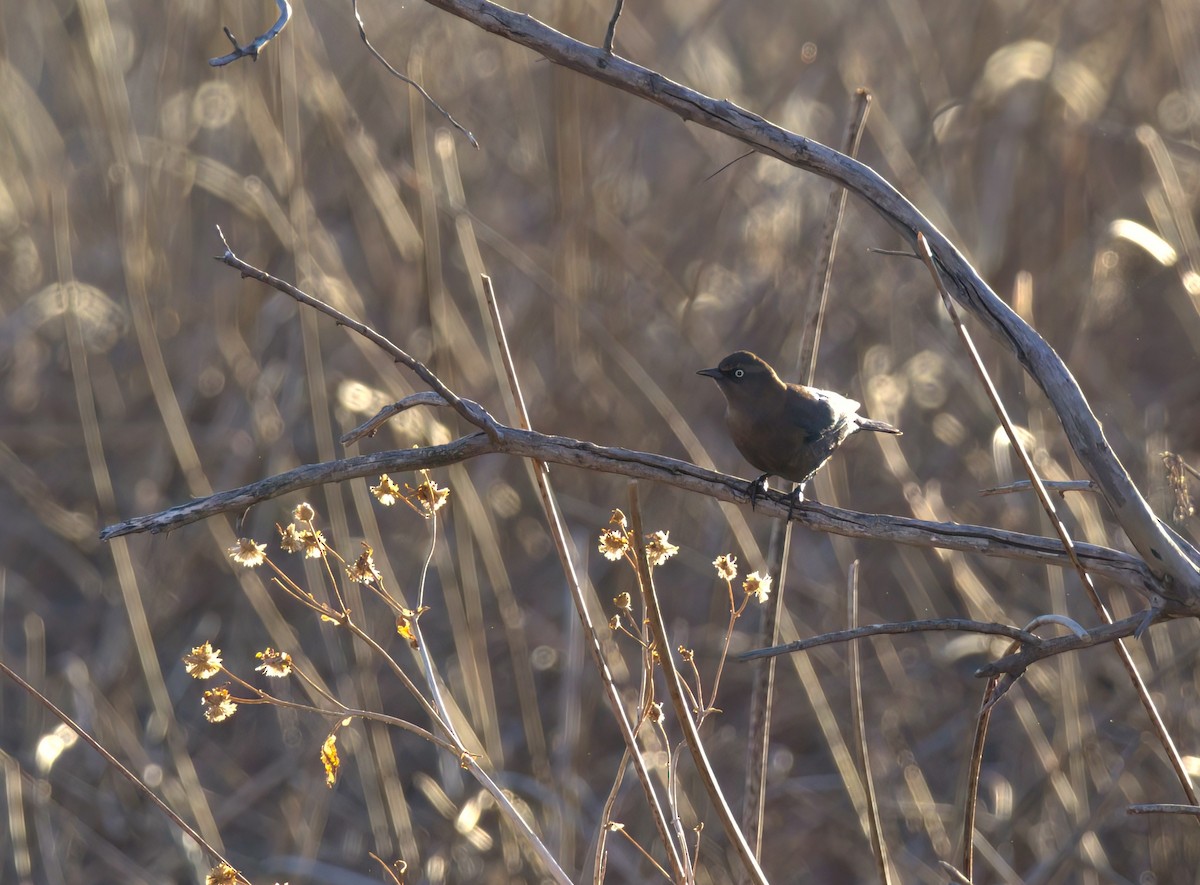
[{"x": 878, "y": 426}]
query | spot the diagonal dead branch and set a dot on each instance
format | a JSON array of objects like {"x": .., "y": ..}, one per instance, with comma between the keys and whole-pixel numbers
[
  {"x": 1174, "y": 564},
  {"x": 472, "y": 412}
]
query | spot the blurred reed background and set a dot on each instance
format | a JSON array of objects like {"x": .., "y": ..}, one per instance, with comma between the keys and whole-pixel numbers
[{"x": 1058, "y": 144}]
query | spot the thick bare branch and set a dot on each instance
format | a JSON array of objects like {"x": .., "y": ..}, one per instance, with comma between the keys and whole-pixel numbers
[{"x": 1129, "y": 571}]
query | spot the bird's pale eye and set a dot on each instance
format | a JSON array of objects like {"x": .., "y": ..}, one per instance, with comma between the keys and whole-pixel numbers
[{"x": 738, "y": 373}]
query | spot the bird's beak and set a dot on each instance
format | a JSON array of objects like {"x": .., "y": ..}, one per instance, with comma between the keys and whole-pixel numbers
[{"x": 711, "y": 373}]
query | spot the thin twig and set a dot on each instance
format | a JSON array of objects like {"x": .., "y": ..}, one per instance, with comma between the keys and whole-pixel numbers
[
  {"x": 818, "y": 299},
  {"x": 1123, "y": 568},
  {"x": 255, "y": 46},
  {"x": 611, "y": 33},
  {"x": 362, "y": 32},
  {"x": 763, "y": 691},
  {"x": 930, "y": 625},
  {"x": 975, "y": 766},
  {"x": 1053, "y": 485},
  {"x": 1163, "y": 808},
  {"x": 1018, "y": 662}
]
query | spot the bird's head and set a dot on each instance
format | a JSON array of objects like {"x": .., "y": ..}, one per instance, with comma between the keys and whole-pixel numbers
[{"x": 743, "y": 374}]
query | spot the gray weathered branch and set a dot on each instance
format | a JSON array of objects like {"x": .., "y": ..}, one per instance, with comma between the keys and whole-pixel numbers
[{"x": 1126, "y": 570}]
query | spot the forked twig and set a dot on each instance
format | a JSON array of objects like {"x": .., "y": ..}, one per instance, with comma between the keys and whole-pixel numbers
[{"x": 255, "y": 46}]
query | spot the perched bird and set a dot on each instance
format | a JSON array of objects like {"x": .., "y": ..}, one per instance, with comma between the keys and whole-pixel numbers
[{"x": 782, "y": 429}]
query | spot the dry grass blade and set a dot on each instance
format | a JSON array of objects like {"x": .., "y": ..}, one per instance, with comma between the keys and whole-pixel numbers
[
  {"x": 564, "y": 547},
  {"x": 875, "y": 825}
]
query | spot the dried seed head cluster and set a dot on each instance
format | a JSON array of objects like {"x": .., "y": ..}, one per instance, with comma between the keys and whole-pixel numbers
[
  {"x": 218, "y": 705},
  {"x": 431, "y": 496},
  {"x": 659, "y": 549},
  {"x": 329, "y": 758},
  {"x": 363, "y": 571},
  {"x": 202, "y": 662},
  {"x": 757, "y": 585},
  {"x": 613, "y": 544},
  {"x": 616, "y": 541},
  {"x": 274, "y": 663},
  {"x": 310, "y": 542},
  {"x": 426, "y": 499},
  {"x": 221, "y": 874},
  {"x": 726, "y": 566},
  {"x": 387, "y": 492},
  {"x": 246, "y": 552}
]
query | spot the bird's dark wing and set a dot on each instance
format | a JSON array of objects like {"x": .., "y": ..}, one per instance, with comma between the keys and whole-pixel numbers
[{"x": 818, "y": 414}]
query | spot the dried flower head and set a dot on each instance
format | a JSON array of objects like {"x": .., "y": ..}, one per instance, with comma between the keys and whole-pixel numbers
[
  {"x": 726, "y": 566},
  {"x": 687, "y": 654},
  {"x": 246, "y": 552},
  {"x": 329, "y": 758},
  {"x": 387, "y": 492},
  {"x": 289, "y": 538},
  {"x": 406, "y": 626},
  {"x": 314, "y": 544},
  {"x": 624, "y": 602},
  {"x": 614, "y": 623},
  {"x": 1177, "y": 482},
  {"x": 304, "y": 512},
  {"x": 363, "y": 571},
  {"x": 274, "y": 663},
  {"x": 218, "y": 705},
  {"x": 655, "y": 713},
  {"x": 221, "y": 874},
  {"x": 759, "y": 585},
  {"x": 202, "y": 662},
  {"x": 613, "y": 544},
  {"x": 659, "y": 549},
  {"x": 618, "y": 519},
  {"x": 431, "y": 496}
]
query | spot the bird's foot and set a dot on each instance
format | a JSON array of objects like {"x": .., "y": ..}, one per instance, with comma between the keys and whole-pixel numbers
[
  {"x": 795, "y": 498},
  {"x": 758, "y": 488}
]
